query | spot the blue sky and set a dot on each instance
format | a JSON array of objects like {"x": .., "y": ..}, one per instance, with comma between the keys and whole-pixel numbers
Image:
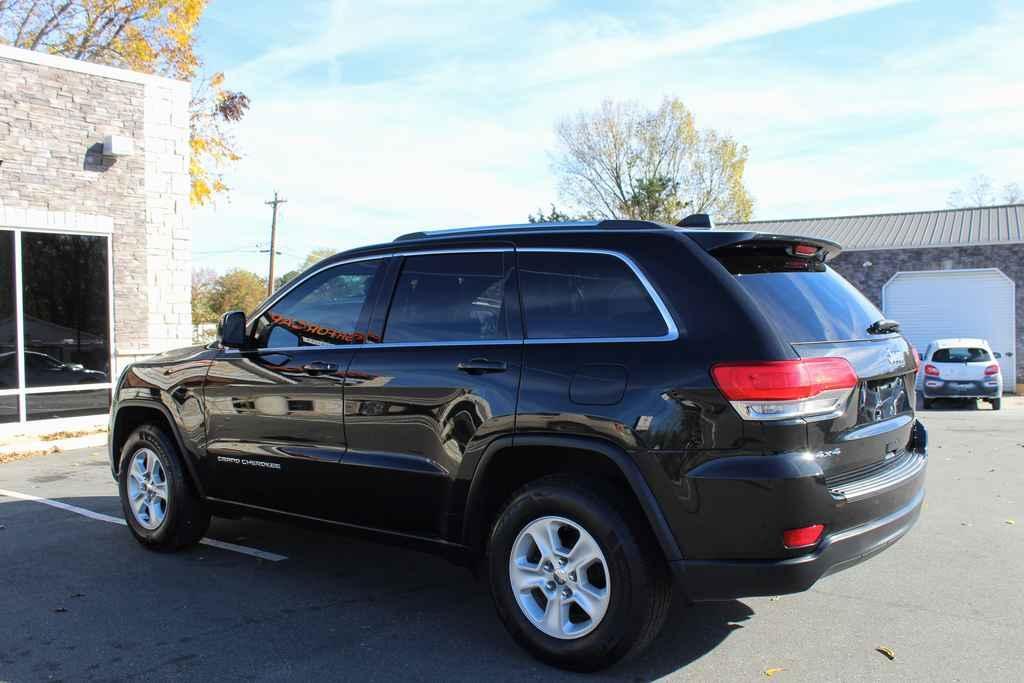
[{"x": 377, "y": 118}]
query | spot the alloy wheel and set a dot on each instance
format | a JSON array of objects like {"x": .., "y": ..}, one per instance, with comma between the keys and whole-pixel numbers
[
  {"x": 147, "y": 488},
  {"x": 560, "y": 577}
]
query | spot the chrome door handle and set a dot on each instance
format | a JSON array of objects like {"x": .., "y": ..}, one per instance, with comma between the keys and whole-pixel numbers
[
  {"x": 319, "y": 367},
  {"x": 479, "y": 366}
]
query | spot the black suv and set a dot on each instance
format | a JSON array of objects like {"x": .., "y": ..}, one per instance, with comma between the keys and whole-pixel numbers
[{"x": 594, "y": 413}]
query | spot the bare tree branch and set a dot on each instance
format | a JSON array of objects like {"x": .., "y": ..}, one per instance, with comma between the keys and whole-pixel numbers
[
  {"x": 625, "y": 162},
  {"x": 49, "y": 25}
]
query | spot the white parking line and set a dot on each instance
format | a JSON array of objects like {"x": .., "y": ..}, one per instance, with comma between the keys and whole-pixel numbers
[{"x": 214, "y": 543}]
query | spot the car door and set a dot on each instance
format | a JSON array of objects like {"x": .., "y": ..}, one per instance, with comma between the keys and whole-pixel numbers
[
  {"x": 275, "y": 428},
  {"x": 442, "y": 384}
]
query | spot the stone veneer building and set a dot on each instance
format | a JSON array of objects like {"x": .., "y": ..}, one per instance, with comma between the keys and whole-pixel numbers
[
  {"x": 948, "y": 273},
  {"x": 95, "y": 232}
]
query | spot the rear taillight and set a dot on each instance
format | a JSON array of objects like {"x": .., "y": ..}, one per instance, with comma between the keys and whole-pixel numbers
[
  {"x": 804, "y": 537},
  {"x": 780, "y": 390},
  {"x": 992, "y": 369},
  {"x": 931, "y": 370}
]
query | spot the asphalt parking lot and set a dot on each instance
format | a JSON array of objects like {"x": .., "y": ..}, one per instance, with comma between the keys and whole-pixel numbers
[{"x": 79, "y": 599}]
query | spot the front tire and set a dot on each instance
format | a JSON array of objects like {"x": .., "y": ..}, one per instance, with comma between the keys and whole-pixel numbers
[
  {"x": 997, "y": 403},
  {"x": 928, "y": 403},
  {"x": 161, "y": 506},
  {"x": 577, "y": 583}
]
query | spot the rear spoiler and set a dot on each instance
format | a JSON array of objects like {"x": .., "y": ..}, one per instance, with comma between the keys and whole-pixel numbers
[{"x": 712, "y": 240}]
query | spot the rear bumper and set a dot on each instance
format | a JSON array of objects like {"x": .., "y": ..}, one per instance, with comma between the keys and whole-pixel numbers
[
  {"x": 948, "y": 389},
  {"x": 863, "y": 515},
  {"x": 723, "y": 580}
]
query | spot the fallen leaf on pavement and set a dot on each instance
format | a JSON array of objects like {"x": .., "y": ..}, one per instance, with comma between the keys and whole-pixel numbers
[
  {"x": 1010, "y": 522},
  {"x": 774, "y": 598},
  {"x": 774, "y": 670},
  {"x": 886, "y": 651}
]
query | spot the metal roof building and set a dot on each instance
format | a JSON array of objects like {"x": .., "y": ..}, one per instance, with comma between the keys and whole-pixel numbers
[{"x": 944, "y": 228}]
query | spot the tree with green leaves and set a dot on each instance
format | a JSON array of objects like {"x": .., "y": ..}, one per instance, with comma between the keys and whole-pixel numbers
[
  {"x": 203, "y": 281},
  {"x": 236, "y": 290},
  {"x": 556, "y": 216},
  {"x": 624, "y": 161}
]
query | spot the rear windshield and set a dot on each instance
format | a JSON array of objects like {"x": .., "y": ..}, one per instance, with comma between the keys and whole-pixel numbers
[
  {"x": 961, "y": 354},
  {"x": 807, "y": 300}
]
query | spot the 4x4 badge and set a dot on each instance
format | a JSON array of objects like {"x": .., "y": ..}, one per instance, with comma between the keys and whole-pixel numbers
[{"x": 895, "y": 358}]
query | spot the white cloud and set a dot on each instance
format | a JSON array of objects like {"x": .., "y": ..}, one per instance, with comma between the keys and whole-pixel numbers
[{"x": 463, "y": 138}]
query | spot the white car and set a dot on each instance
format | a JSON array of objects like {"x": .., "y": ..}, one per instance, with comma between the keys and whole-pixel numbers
[{"x": 960, "y": 368}]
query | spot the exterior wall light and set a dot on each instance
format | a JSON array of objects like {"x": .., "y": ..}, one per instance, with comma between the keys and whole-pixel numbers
[{"x": 118, "y": 146}]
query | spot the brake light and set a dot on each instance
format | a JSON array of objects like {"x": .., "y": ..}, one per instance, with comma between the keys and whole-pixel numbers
[
  {"x": 805, "y": 250},
  {"x": 779, "y": 390},
  {"x": 992, "y": 369},
  {"x": 931, "y": 370},
  {"x": 804, "y": 537}
]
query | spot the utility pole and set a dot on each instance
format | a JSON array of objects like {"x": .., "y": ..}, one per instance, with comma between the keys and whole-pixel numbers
[{"x": 273, "y": 240}]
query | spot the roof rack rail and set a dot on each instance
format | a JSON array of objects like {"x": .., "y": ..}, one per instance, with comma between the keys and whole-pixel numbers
[{"x": 569, "y": 226}]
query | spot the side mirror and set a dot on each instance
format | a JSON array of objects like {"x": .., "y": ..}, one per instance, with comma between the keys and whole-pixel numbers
[{"x": 231, "y": 331}]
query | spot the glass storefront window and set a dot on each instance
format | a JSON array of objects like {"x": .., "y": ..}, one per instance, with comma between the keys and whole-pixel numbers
[
  {"x": 55, "y": 313},
  {"x": 65, "y": 310},
  {"x": 67, "y": 404},
  {"x": 8, "y": 323},
  {"x": 8, "y": 409}
]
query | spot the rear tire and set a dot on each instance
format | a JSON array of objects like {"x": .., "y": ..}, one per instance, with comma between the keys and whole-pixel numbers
[
  {"x": 628, "y": 587},
  {"x": 928, "y": 403},
  {"x": 997, "y": 403},
  {"x": 160, "y": 504}
]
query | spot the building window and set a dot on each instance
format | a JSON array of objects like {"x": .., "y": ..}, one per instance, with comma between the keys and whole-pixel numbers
[
  {"x": 8, "y": 325},
  {"x": 55, "y": 338}
]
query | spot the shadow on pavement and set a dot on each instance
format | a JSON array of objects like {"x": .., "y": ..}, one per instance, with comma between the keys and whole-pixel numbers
[
  {"x": 953, "y": 405},
  {"x": 84, "y": 599}
]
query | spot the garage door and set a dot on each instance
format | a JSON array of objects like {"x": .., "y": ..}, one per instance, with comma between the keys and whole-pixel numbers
[{"x": 955, "y": 303}]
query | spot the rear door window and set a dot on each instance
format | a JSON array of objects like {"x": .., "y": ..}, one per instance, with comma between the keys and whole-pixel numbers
[
  {"x": 569, "y": 295},
  {"x": 961, "y": 354}
]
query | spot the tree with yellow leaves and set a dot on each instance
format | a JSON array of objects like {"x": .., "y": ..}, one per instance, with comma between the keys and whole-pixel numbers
[
  {"x": 623, "y": 161},
  {"x": 151, "y": 36}
]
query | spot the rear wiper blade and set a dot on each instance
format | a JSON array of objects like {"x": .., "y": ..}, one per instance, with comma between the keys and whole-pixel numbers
[{"x": 883, "y": 326}]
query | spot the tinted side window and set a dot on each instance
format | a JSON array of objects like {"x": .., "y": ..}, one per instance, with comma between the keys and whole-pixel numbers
[
  {"x": 449, "y": 297},
  {"x": 580, "y": 295},
  {"x": 325, "y": 309}
]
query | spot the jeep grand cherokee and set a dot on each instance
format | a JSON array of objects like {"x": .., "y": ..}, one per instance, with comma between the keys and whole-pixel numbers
[{"x": 594, "y": 413}]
